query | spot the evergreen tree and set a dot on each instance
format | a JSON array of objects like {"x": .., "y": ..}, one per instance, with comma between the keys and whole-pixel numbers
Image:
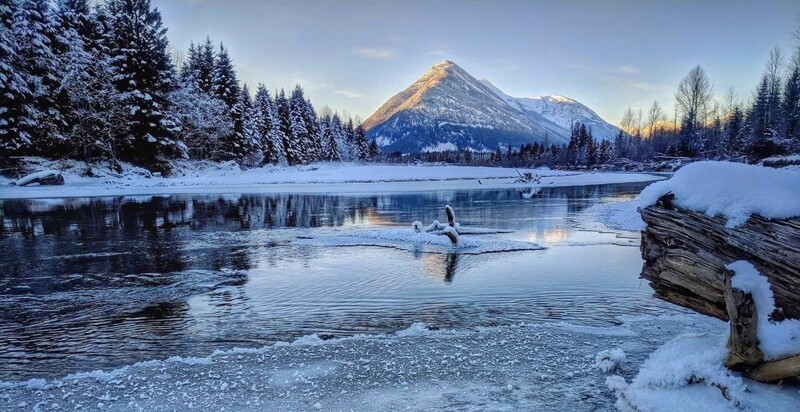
[
  {"x": 206, "y": 62},
  {"x": 14, "y": 92},
  {"x": 374, "y": 151},
  {"x": 143, "y": 75},
  {"x": 34, "y": 33},
  {"x": 269, "y": 132},
  {"x": 299, "y": 134},
  {"x": 791, "y": 101},
  {"x": 360, "y": 141},
  {"x": 224, "y": 84},
  {"x": 333, "y": 138}
]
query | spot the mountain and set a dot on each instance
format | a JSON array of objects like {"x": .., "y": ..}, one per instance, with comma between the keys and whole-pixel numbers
[
  {"x": 448, "y": 109},
  {"x": 560, "y": 110}
]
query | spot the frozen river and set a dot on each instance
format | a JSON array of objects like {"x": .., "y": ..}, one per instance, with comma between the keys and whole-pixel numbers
[{"x": 100, "y": 283}]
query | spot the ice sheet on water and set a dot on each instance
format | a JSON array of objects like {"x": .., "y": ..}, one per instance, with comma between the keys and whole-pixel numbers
[
  {"x": 524, "y": 367},
  {"x": 616, "y": 215},
  {"x": 408, "y": 239},
  {"x": 120, "y": 293}
]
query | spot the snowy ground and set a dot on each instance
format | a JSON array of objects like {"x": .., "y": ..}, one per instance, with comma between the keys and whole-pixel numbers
[{"x": 317, "y": 178}]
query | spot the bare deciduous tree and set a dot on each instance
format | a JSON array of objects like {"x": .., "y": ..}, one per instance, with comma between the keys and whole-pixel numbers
[{"x": 694, "y": 97}]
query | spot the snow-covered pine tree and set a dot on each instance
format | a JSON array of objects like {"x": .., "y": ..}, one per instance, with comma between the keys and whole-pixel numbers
[
  {"x": 143, "y": 74},
  {"x": 339, "y": 130},
  {"x": 206, "y": 62},
  {"x": 791, "y": 101},
  {"x": 249, "y": 144},
  {"x": 13, "y": 89},
  {"x": 224, "y": 83},
  {"x": 330, "y": 146},
  {"x": 85, "y": 73},
  {"x": 314, "y": 150},
  {"x": 271, "y": 139},
  {"x": 34, "y": 30},
  {"x": 348, "y": 150},
  {"x": 189, "y": 70},
  {"x": 225, "y": 87},
  {"x": 283, "y": 110},
  {"x": 360, "y": 141},
  {"x": 374, "y": 151},
  {"x": 299, "y": 133}
]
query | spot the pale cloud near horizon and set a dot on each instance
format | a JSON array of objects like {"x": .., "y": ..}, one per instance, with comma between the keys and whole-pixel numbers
[
  {"x": 349, "y": 93},
  {"x": 375, "y": 53},
  {"x": 625, "y": 69}
]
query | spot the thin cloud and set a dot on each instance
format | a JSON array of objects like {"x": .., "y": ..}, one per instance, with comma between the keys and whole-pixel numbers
[
  {"x": 625, "y": 69},
  {"x": 636, "y": 85},
  {"x": 374, "y": 53},
  {"x": 349, "y": 93},
  {"x": 436, "y": 53}
]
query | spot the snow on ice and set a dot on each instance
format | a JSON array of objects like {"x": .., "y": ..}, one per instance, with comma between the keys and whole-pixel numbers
[
  {"x": 525, "y": 367},
  {"x": 617, "y": 215},
  {"x": 340, "y": 178},
  {"x": 732, "y": 190}
]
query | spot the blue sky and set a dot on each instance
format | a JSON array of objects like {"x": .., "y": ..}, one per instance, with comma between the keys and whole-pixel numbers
[{"x": 354, "y": 55}]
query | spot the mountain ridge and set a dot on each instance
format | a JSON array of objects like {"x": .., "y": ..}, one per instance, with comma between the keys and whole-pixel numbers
[{"x": 448, "y": 109}]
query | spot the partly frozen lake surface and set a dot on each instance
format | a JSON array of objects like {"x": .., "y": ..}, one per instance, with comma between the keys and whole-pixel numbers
[{"x": 101, "y": 283}]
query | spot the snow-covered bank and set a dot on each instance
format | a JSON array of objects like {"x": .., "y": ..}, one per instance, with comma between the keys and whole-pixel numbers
[
  {"x": 526, "y": 367},
  {"x": 732, "y": 190},
  {"x": 316, "y": 178},
  {"x": 687, "y": 374}
]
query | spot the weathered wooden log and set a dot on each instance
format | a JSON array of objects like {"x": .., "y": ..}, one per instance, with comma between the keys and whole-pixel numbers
[
  {"x": 743, "y": 346},
  {"x": 776, "y": 371},
  {"x": 44, "y": 178},
  {"x": 685, "y": 254}
]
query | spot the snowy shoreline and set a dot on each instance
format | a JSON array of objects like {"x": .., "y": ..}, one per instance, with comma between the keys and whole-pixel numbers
[{"x": 318, "y": 179}]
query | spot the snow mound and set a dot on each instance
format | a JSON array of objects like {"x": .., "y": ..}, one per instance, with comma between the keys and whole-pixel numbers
[
  {"x": 609, "y": 359},
  {"x": 732, "y": 190},
  {"x": 687, "y": 374},
  {"x": 408, "y": 239},
  {"x": 776, "y": 339}
]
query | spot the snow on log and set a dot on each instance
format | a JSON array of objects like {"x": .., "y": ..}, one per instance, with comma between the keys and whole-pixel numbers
[
  {"x": 44, "y": 178},
  {"x": 451, "y": 215},
  {"x": 710, "y": 214},
  {"x": 723, "y": 239},
  {"x": 762, "y": 347}
]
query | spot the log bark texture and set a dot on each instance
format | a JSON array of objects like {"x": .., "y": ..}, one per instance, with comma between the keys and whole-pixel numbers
[
  {"x": 743, "y": 345},
  {"x": 685, "y": 254}
]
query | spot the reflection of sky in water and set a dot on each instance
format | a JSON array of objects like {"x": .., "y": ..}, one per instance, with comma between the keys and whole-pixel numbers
[{"x": 101, "y": 282}]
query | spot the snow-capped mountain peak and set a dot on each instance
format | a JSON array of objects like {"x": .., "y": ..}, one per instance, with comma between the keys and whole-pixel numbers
[
  {"x": 448, "y": 108},
  {"x": 561, "y": 110}
]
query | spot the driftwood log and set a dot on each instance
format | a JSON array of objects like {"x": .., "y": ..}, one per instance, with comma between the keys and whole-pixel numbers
[
  {"x": 685, "y": 254},
  {"x": 744, "y": 352},
  {"x": 44, "y": 178}
]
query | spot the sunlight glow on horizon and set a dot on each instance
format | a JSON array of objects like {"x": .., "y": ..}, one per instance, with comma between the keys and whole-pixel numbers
[{"x": 355, "y": 55}]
